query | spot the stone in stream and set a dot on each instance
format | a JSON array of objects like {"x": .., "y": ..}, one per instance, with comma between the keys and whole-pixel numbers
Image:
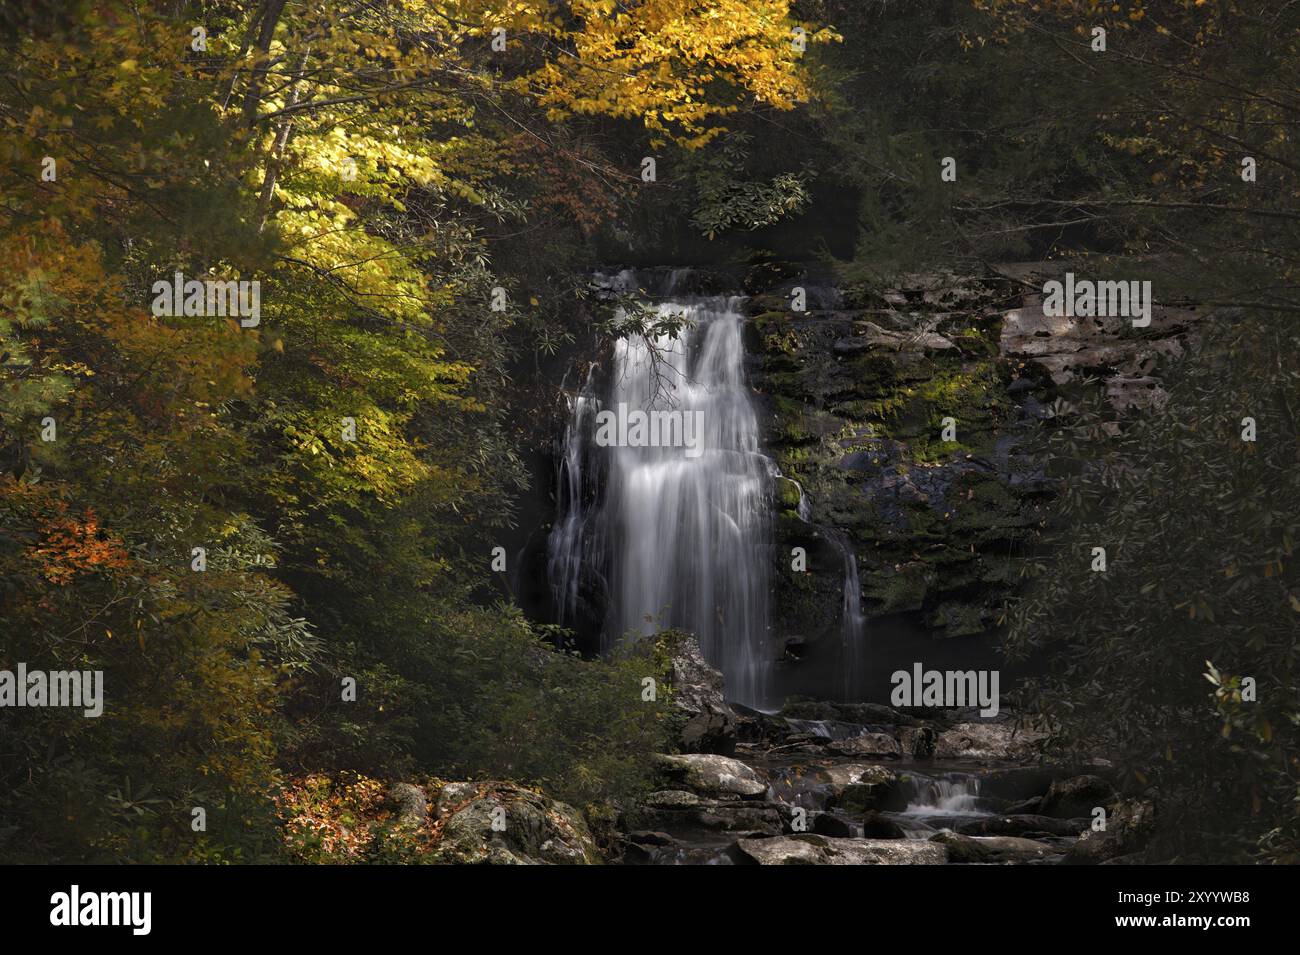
[
  {"x": 671, "y": 799},
  {"x": 1128, "y": 827},
  {"x": 877, "y": 745},
  {"x": 677, "y": 811},
  {"x": 712, "y": 775},
  {"x": 1077, "y": 796},
  {"x": 1027, "y": 807},
  {"x": 811, "y": 849},
  {"x": 872, "y": 826},
  {"x": 991, "y": 849},
  {"x": 1002, "y": 741},
  {"x": 1002, "y": 825},
  {"x": 916, "y": 741},
  {"x": 868, "y": 788},
  {"x": 835, "y": 826}
]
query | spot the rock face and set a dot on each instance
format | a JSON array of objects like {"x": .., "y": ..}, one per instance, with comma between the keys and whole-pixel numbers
[
  {"x": 712, "y": 775},
  {"x": 854, "y": 393},
  {"x": 1067, "y": 347},
  {"x": 708, "y": 724},
  {"x": 498, "y": 823},
  {"x": 810, "y": 849},
  {"x": 1001, "y": 741}
]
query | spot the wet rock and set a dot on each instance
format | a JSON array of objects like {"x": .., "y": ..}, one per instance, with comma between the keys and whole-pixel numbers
[
  {"x": 917, "y": 741},
  {"x": 1077, "y": 796},
  {"x": 712, "y": 775},
  {"x": 874, "y": 788},
  {"x": 530, "y": 829},
  {"x": 1017, "y": 783},
  {"x": 812, "y": 849},
  {"x": 671, "y": 799},
  {"x": 707, "y": 724},
  {"x": 871, "y": 336},
  {"x": 991, "y": 849},
  {"x": 877, "y": 826},
  {"x": 1002, "y": 741},
  {"x": 1004, "y": 825},
  {"x": 1027, "y": 807},
  {"x": 715, "y": 815},
  {"x": 836, "y": 826},
  {"x": 1128, "y": 827},
  {"x": 873, "y": 825},
  {"x": 843, "y": 775},
  {"x": 874, "y": 745}
]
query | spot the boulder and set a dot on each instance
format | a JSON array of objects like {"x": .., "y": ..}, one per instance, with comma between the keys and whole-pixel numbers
[
  {"x": 1077, "y": 796},
  {"x": 499, "y": 823},
  {"x": 991, "y": 849},
  {"x": 1002, "y": 741},
  {"x": 837, "y": 827},
  {"x": 706, "y": 724},
  {"x": 916, "y": 741},
  {"x": 1005, "y": 825},
  {"x": 1129, "y": 825},
  {"x": 872, "y": 745},
  {"x": 671, "y": 799},
  {"x": 709, "y": 774},
  {"x": 878, "y": 826},
  {"x": 412, "y": 808},
  {"x": 718, "y": 815},
  {"x": 812, "y": 849},
  {"x": 866, "y": 788}
]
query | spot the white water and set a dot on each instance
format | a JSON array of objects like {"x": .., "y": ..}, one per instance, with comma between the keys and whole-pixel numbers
[
  {"x": 852, "y": 619},
  {"x": 684, "y": 541},
  {"x": 565, "y": 545},
  {"x": 955, "y": 794}
]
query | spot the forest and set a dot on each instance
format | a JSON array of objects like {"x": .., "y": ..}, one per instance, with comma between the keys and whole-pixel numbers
[{"x": 305, "y": 313}]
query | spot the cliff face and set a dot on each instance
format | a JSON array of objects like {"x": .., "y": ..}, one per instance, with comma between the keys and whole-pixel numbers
[{"x": 902, "y": 412}]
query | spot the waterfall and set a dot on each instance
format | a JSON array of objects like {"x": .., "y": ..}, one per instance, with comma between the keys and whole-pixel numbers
[
  {"x": 564, "y": 547},
  {"x": 682, "y": 535},
  {"x": 852, "y": 619},
  {"x": 851, "y": 627},
  {"x": 953, "y": 793}
]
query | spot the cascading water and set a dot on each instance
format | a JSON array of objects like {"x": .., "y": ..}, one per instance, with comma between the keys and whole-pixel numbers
[
  {"x": 565, "y": 544},
  {"x": 681, "y": 538},
  {"x": 852, "y": 620},
  {"x": 953, "y": 794}
]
